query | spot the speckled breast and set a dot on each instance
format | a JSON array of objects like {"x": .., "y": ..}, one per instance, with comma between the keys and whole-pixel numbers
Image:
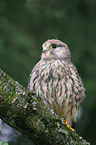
[{"x": 59, "y": 86}]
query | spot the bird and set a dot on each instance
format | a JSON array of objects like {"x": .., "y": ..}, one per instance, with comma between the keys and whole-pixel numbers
[{"x": 56, "y": 81}]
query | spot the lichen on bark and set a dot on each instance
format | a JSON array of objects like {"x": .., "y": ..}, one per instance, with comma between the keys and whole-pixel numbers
[{"x": 25, "y": 112}]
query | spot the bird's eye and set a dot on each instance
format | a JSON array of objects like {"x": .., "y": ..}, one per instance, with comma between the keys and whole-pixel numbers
[{"x": 54, "y": 46}]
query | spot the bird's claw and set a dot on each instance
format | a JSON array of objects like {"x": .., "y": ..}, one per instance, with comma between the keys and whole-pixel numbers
[{"x": 65, "y": 122}]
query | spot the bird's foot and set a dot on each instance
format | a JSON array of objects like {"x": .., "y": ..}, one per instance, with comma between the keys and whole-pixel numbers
[{"x": 65, "y": 122}]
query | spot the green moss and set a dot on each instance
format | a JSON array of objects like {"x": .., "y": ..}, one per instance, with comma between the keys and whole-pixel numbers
[{"x": 25, "y": 112}]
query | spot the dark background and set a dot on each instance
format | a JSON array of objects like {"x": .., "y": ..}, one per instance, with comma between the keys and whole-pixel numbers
[{"x": 26, "y": 24}]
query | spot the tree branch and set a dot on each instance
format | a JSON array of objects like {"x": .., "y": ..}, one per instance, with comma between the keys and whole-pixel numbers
[{"x": 23, "y": 111}]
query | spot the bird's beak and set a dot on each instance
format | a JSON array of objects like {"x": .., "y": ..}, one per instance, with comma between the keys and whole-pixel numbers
[{"x": 45, "y": 50}]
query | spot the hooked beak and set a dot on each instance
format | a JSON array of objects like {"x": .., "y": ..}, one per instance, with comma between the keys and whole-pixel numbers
[{"x": 45, "y": 51}]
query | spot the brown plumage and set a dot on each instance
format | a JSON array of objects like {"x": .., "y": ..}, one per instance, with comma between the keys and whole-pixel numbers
[{"x": 55, "y": 79}]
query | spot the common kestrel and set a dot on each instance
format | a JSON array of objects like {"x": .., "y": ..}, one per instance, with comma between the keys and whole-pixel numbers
[{"x": 56, "y": 81}]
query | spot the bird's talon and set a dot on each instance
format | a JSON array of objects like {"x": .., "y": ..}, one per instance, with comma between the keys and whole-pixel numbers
[
  {"x": 68, "y": 126},
  {"x": 72, "y": 129},
  {"x": 65, "y": 122}
]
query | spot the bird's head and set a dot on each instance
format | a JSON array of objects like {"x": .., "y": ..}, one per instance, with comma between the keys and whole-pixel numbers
[{"x": 55, "y": 49}]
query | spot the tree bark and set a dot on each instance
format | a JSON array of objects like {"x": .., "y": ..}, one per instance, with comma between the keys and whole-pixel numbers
[{"x": 25, "y": 112}]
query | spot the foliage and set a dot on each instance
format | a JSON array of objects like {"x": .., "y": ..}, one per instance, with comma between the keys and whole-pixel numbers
[{"x": 3, "y": 143}]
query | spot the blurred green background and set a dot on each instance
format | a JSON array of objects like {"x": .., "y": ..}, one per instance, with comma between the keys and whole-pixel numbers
[{"x": 26, "y": 24}]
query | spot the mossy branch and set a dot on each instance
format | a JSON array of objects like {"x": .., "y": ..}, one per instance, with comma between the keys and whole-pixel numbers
[{"x": 23, "y": 111}]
